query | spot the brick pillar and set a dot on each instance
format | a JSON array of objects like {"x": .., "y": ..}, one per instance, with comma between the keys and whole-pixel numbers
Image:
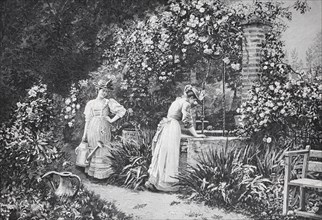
[{"x": 254, "y": 34}]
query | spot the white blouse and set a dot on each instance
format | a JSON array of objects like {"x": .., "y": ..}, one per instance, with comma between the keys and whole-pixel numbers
[{"x": 95, "y": 108}]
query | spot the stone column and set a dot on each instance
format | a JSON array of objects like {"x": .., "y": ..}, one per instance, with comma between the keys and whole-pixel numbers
[{"x": 254, "y": 35}]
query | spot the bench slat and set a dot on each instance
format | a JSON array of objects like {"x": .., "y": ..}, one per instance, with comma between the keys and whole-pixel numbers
[
  {"x": 308, "y": 214},
  {"x": 296, "y": 152},
  {"x": 306, "y": 182},
  {"x": 315, "y": 166},
  {"x": 308, "y": 165},
  {"x": 316, "y": 153}
]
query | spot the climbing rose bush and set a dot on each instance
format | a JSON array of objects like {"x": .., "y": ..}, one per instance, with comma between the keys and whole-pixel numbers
[
  {"x": 283, "y": 107},
  {"x": 283, "y": 110},
  {"x": 157, "y": 52},
  {"x": 174, "y": 38}
]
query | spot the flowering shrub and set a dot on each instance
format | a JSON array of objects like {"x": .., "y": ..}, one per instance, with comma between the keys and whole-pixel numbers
[
  {"x": 157, "y": 52},
  {"x": 288, "y": 110},
  {"x": 31, "y": 145},
  {"x": 281, "y": 110},
  {"x": 28, "y": 142},
  {"x": 37, "y": 112},
  {"x": 71, "y": 106}
]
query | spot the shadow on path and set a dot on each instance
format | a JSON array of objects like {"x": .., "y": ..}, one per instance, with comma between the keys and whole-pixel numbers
[{"x": 149, "y": 205}]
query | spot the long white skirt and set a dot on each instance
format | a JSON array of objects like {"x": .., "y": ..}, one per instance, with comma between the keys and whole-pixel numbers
[
  {"x": 99, "y": 165},
  {"x": 165, "y": 156}
]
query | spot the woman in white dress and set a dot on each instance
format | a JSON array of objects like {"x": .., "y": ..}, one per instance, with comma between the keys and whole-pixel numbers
[
  {"x": 166, "y": 142},
  {"x": 97, "y": 129}
]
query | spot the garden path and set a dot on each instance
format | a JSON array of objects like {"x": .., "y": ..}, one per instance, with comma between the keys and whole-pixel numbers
[
  {"x": 146, "y": 205},
  {"x": 149, "y": 205}
]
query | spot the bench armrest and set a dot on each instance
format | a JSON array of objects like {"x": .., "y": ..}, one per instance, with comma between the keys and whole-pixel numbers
[{"x": 297, "y": 152}]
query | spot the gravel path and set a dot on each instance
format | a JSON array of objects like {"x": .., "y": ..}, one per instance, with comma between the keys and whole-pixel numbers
[{"x": 149, "y": 205}]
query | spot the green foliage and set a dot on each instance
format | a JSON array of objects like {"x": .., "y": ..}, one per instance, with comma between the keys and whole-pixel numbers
[
  {"x": 267, "y": 159},
  {"x": 267, "y": 203},
  {"x": 60, "y": 42},
  {"x": 55, "y": 42},
  {"x": 72, "y": 106},
  {"x": 220, "y": 179},
  {"x": 270, "y": 205},
  {"x": 31, "y": 145},
  {"x": 39, "y": 203},
  {"x": 29, "y": 142},
  {"x": 156, "y": 52},
  {"x": 73, "y": 110},
  {"x": 21, "y": 201},
  {"x": 131, "y": 161},
  {"x": 249, "y": 178},
  {"x": 85, "y": 206},
  {"x": 270, "y": 162},
  {"x": 283, "y": 111}
]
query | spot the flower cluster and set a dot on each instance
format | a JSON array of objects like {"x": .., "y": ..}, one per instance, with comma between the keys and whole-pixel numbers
[
  {"x": 159, "y": 49},
  {"x": 170, "y": 40},
  {"x": 29, "y": 139},
  {"x": 71, "y": 106},
  {"x": 37, "y": 108},
  {"x": 164, "y": 76},
  {"x": 282, "y": 109}
]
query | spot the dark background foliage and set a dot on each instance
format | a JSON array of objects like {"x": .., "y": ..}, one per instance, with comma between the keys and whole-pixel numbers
[{"x": 54, "y": 41}]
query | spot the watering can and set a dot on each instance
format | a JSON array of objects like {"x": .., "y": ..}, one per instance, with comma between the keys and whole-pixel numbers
[
  {"x": 82, "y": 155},
  {"x": 65, "y": 188}
]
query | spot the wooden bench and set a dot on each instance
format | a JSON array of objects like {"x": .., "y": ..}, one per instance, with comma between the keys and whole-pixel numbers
[{"x": 303, "y": 182}]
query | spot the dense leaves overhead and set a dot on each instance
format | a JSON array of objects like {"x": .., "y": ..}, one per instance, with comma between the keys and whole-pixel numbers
[
  {"x": 61, "y": 42},
  {"x": 54, "y": 41},
  {"x": 157, "y": 53}
]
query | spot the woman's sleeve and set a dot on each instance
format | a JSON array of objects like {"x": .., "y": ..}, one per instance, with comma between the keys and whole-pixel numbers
[
  {"x": 116, "y": 108},
  {"x": 186, "y": 115},
  {"x": 88, "y": 111}
]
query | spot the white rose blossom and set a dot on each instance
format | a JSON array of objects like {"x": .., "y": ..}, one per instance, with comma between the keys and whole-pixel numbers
[
  {"x": 269, "y": 140},
  {"x": 68, "y": 109},
  {"x": 68, "y": 101}
]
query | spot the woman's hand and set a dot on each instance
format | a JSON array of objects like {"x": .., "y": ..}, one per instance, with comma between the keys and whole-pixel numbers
[
  {"x": 195, "y": 134},
  {"x": 200, "y": 136}
]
